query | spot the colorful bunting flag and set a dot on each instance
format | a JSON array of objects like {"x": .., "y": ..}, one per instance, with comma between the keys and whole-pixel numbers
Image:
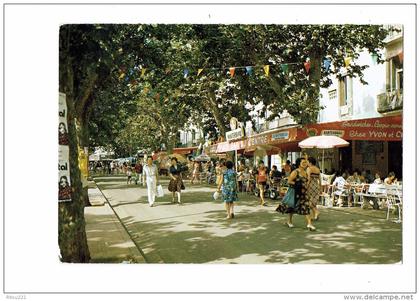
[
  {"x": 143, "y": 72},
  {"x": 347, "y": 61},
  {"x": 307, "y": 66},
  {"x": 186, "y": 71},
  {"x": 285, "y": 68},
  {"x": 232, "y": 71},
  {"x": 327, "y": 64},
  {"x": 199, "y": 71},
  {"x": 248, "y": 70},
  {"x": 267, "y": 70},
  {"x": 121, "y": 76}
]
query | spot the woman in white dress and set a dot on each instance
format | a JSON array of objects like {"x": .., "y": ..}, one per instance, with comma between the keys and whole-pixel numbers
[{"x": 150, "y": 173}]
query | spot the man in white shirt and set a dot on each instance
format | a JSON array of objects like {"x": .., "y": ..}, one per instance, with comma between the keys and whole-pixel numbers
[
  {"x": 340, "y": 183},
  {"x": 150, "y": 173}
]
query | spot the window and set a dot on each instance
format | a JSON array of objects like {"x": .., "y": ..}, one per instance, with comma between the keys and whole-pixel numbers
[
  {"x": 193, "y": 135},
  {"x": 399, "y": 79},
  {"x": 346, "y": 90},
  {"x": 332, "y": 94},
  {"x": 395, "y": 74}
]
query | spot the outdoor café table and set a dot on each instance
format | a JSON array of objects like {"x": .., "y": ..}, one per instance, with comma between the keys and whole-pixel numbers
[
  {"x": 375, "y": 192},
  {"x": 357, "y": 190}
]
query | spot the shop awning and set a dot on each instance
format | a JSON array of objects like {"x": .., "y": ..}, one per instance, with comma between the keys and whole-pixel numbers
[
  {"x": 184, "y": 150},
  {"x": 387, "y": 128}
]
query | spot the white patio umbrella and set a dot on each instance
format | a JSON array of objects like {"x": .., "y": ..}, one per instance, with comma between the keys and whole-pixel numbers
[
  {"x": 323, "y": 142},
  {"x": 202, "y": 158}
]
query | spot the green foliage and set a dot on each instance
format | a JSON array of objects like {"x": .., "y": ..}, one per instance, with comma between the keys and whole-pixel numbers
[{"x": 119, "y": 52}]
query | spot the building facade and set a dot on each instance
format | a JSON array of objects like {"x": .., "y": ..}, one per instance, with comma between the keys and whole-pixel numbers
[
  {"x": 368, "y": 116},
  {"x": 374, "y": 109}
]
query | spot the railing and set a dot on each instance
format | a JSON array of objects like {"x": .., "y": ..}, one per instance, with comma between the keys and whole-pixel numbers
[
  {"x": 270, "y": 125},
  {"x": 395, "y": 31},
  {"x": 390, "y": 101}
]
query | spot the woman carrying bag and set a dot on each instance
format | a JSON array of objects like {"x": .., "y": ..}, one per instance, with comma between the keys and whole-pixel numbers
[
  {"x": 295, "y": 201},
  {"x": 229, "y": 189},
  {"x": 175, "y": 184}
]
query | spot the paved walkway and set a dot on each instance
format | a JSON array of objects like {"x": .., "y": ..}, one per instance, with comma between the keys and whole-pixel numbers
[
  {"x": 108, "y": 241},
  {"x": 197, "y": 231}
]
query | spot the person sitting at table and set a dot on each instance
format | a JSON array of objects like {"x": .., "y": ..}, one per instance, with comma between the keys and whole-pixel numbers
[
  {"x": 391, "y": 179},
  {"x": 378, "y": 179},
  {"x": 363, "y": 177},
  {"x": 340, "y": 184},
  {"x": 354, "y": 178},
  {"x": 369, "y": 177}
]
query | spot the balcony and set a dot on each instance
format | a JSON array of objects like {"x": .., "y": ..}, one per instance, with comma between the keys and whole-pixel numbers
[
  {"x": 286, "y": 120},
  {"x": 393, "y": 34},
  {"x": 390, "y": 101}
]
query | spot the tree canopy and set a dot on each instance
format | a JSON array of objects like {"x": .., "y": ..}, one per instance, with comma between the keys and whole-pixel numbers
[{"x": 148, "y": 83}]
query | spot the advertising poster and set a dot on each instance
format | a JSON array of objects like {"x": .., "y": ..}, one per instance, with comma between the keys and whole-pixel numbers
[{"x": 64, "y": 184}]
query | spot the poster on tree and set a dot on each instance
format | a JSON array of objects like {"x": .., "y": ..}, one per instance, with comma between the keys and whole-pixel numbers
[
  {"x": 64, "y": 186},
  {"x": 63, "y": 138}
]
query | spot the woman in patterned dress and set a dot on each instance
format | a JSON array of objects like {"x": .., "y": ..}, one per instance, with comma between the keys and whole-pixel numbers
[
  {"x": 314, "y": 186},
  {"x": 175, "y": 183},
  {"x": 298, "y": 179},
  {"x": 229, "y": 190}
]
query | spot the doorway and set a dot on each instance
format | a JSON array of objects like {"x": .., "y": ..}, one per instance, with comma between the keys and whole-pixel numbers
[{"x": 395, "y": 158}]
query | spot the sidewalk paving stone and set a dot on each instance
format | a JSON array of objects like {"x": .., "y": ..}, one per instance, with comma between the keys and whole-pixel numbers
[{"x": 108, "y": 241}]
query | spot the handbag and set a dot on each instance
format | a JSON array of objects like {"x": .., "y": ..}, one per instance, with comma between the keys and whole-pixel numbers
[
  {"x": 159, "y": 191},
  {"x": 289, "y": 198}
]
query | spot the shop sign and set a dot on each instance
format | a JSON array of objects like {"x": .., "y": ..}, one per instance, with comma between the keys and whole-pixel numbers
[
  {"x": 280, "y": 136},
  {"x": 263, "y": 139},
  {"x": 235, "y": 134},
  {"x": 337, "y": 133},
  {"x": 375, "y": 129}
]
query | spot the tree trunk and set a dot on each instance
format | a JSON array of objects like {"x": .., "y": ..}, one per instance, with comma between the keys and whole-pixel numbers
[
  {"x": 315, "y": 76},
  {"x": 72, "y": 238},
  {"x": 214, "y": 109}
]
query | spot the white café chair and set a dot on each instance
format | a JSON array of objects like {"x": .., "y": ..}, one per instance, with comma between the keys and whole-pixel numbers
[
  {"x": 394, "y": 199},
  {"x": 341, "y": 191},
  {"x": 359, "y": 190}
]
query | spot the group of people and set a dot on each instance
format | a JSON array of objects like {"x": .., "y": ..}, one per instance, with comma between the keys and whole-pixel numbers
[
  {"x": 360, "y": 177},
  {"x": 305, "y": 182},
  {"x": 344, "y": 185},
  {"x": 303, "y": 179},
  {"x": 151, "y": 176}
]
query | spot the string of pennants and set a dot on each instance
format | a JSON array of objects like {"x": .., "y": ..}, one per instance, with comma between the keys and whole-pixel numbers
[{"x": 249, "y": 70}]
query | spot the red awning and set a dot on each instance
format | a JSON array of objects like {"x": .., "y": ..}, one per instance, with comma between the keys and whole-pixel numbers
[
  {"x": 184, "y": 150},
  {"x": 372, "y": 129}
]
